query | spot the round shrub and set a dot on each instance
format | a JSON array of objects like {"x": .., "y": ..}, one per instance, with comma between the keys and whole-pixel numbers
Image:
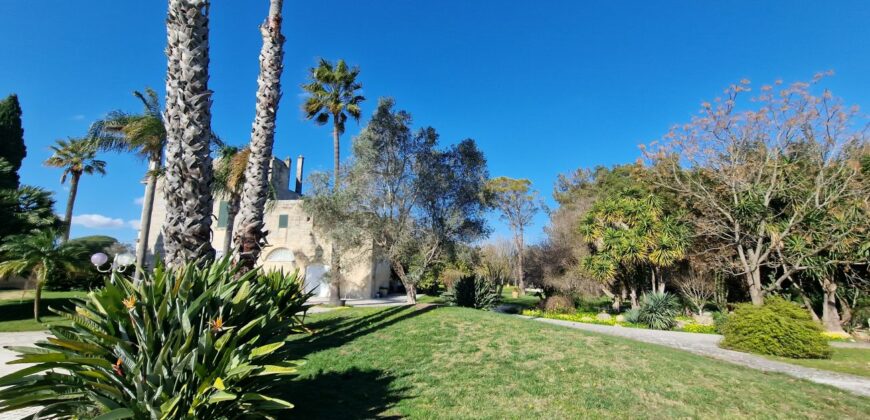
[
  {"x": 558, "y": 303},
  {"x": 659, "y": 311},
  {"x": 779, "y": 328}
]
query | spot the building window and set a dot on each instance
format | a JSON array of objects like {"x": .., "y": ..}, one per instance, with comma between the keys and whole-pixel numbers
[
  {"x": 223, "y": 214},
  {"x": 282, "y": 221}
]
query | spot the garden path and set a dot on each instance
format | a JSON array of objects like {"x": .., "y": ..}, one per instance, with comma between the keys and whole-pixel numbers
[{"x": 708, "y": 345}]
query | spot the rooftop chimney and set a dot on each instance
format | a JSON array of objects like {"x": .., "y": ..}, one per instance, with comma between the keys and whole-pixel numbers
[{"x": 299, "y": 162}]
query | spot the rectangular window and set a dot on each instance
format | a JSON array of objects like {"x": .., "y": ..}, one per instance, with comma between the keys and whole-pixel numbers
[
  {"x": 282, "y": 221},
  {"x": 223, "y": 214}
]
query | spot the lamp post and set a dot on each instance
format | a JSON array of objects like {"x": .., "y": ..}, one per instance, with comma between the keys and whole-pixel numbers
[{"x": 119, "y": 263}]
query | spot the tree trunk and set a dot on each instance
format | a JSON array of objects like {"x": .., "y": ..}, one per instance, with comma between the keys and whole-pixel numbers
[
  {"x": 187, "y": 184},
  {"x": 660, "y": 281},
  {"x": 70, "y": 203},
  {"x": 521, "y": 284},
  {"x": 410, "y": 287},
  {"x": 335, "y": 284},
  {"x": 807, "y": 304},
  {"x": 145, "y": 219},
  {"x": 753, "y": 280},
  {"x": 830, "y": 314},
  {"x": 250, "y": 237},
  {"x": 633, "y": 294},
  {"x": 232, "y": 211},
  {"x": 847, "y": 311},
  {"x": 37, "y": 298}
]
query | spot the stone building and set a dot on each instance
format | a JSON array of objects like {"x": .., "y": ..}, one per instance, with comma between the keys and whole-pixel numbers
[{"x": 293, "y": 243}]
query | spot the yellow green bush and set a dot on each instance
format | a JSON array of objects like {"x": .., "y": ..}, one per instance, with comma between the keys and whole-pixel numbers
[{"x": 779, "y": 328}]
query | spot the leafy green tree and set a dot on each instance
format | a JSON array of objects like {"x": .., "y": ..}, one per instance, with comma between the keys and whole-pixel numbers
[
  {"x": 632, "y": 231},
  {"x": 410, "y": 199},
  {"x": 250, "y": 236},
  {"x": 145, "y": 135},
  {"x": 333, "y": 94},
  {"x": 40, "y": 255},
  {"x": 76, "y": 157},
  {"x": 517, "y": 204},
  {"x": 25, "y": 208},
  {"x": 12, "y": 148}
]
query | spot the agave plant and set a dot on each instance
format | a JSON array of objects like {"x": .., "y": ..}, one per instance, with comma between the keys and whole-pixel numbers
[
  {"x": 659, "y": 311},
  {"x": 472, "y": 292},
  {"x": 188, "y": 342}
]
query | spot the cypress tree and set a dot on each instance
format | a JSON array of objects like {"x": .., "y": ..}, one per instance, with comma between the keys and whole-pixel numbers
[{"x": 12, "y": 148}]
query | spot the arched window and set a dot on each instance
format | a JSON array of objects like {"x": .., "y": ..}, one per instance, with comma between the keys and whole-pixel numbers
[{"x": 280, "y": 255}]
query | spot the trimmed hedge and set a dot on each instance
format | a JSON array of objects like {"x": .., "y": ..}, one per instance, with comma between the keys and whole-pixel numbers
[{"x": 778, "y": 328}]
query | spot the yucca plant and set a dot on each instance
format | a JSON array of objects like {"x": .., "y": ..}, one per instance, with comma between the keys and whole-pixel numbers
[
  {"x": 472, "y": 292},
  {"x": 659, "y": 311},
  {"x": 184, "y": 343}
]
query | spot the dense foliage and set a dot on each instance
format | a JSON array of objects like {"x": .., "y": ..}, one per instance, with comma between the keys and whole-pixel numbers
[
  {"x": 472, "y": 292},
  {"x": 185, "y": 343},
  {"x": 12, "y": 148},
  {"x": 778, "y": 328},
  {"x": 659, "y": 311}
]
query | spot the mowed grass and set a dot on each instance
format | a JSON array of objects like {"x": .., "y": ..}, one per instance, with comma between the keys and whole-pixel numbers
[
  {"x": 440, "y": 362},
  {"x": 16, "y": 309},
  {"x": 846, "y": 360}
]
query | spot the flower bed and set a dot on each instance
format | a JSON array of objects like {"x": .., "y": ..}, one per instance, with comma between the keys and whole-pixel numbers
[{"x": 593, "y": 318}]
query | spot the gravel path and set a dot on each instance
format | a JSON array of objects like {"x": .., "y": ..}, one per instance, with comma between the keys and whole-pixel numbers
[{"x": 708, "y": 345}]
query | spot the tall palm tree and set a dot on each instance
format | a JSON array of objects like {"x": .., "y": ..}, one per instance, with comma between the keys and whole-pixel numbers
[
  {"x": 40, "y": 255},
  {"x": 145, "y": 135},
  {"x": 229, "y": 178},
  {"x": 188, "y": 175},
  {"x": 333, "y": 94},
  {"x": 76, "y": 157},
  {"x": 250, "y": 236}
]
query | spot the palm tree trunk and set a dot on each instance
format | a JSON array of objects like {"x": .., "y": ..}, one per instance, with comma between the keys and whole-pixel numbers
[
  {"x": 145, "y": 220},
  {"x": 232, "y": 211},
  {"x": 70, "y": 203},
  {"x": 250, "y": 236},
  {"x": 37, "y": 296},
  {"x": 187, "y": 185},
  {"x": 335, "y": 262}
]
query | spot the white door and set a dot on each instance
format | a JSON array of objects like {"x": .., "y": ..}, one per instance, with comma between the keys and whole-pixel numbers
[{"x": 314, "y": 275}]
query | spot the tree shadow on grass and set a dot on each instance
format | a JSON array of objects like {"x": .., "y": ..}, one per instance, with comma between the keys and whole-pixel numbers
[
  {"x": 339, "y": 330},
  {"x": 352, "y": 394},
  {"x": 17, "y": 311}
]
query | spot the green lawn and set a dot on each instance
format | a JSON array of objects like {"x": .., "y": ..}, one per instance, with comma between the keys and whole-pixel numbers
[
  {"x": 16, "y": 309},
  {"x": 461, "y": 363},
  {"x": 845, "y": 360}
]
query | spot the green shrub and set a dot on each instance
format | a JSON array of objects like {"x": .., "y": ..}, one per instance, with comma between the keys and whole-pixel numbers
[
  {"x": 472, "y": 292},
  {"x": 632, "y": 316},
  {"x": 659, "y": 311},
  {"x": 699, "y": 328},
  {"x": 186, "y": 343},
  {"x": 593, "y": 304},
  {"x": 719, "y": 319},
  {"x": 778, "y": 328},
  {"x": 558, "y": 303}
]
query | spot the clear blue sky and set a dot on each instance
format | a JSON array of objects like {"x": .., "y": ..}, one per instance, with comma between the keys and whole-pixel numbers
[{"x": 544, "y": 87}]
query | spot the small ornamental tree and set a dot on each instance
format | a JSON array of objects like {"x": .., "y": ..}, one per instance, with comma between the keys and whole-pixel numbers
[{"x": 517, "y": 204}]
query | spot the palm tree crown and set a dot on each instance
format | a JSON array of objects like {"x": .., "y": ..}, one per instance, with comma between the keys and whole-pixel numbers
[
  {"x": 76, "y": 157},
  {"x": 40, "y": 255},
  {"x": 332, "y": 92},
  {"x": 143, "y": 134}
]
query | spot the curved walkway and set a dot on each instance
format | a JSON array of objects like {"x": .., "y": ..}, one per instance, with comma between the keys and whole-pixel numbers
[{"x": 708, "y": 345}]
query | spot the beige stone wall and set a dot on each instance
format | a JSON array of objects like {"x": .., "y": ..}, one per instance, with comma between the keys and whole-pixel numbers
[{"x": 295, "y": 246}]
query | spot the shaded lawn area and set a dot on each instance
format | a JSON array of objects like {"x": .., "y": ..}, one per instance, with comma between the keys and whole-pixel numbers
[
  {"x": 527, "y": 301},
  {"x": 461, "y": 363},
  {"x": 845, "y": 360},
  {"x": 16, "y": 309}
]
